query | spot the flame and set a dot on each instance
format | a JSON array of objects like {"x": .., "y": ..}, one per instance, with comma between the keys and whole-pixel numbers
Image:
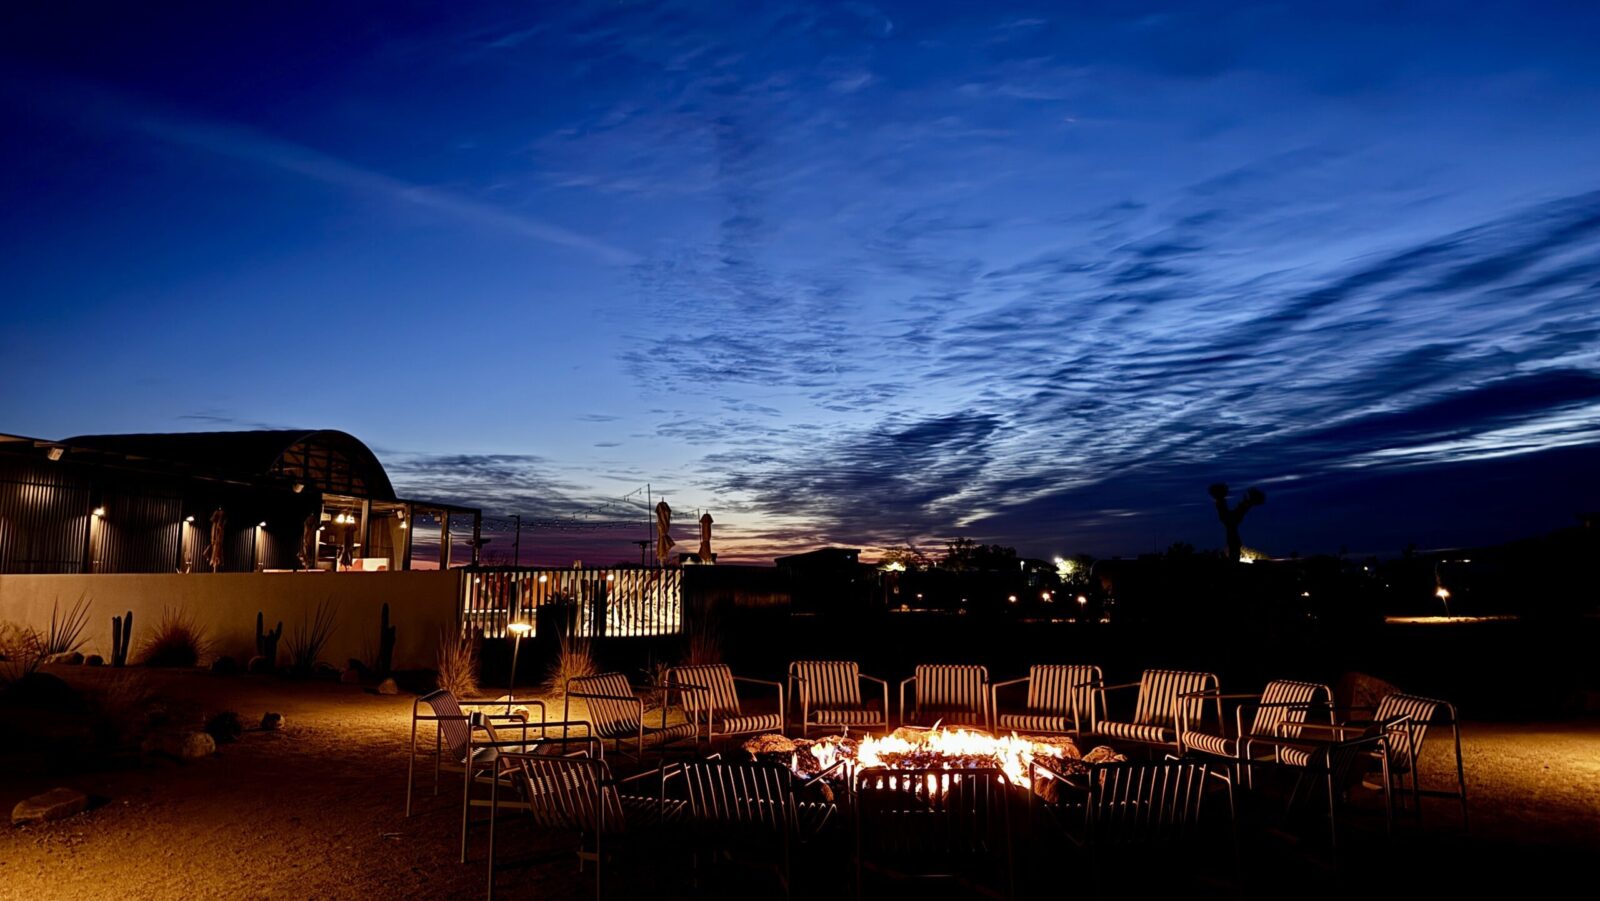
[{"x": 909, "y": 749}]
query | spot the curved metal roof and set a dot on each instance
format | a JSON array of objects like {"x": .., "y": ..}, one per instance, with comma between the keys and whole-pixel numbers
[{"x": 326, "y": 459}]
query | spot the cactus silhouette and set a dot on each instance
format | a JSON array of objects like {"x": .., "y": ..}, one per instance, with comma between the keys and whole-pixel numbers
[
  {"x": 1231, "y": 518},
  {"x": 267, "y": 642},
  {"x": 121, "y": 631},
  {"x": 385, "y": 642}
]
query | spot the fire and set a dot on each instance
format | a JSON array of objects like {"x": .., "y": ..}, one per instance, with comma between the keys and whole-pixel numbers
[{"x": 937, "y": 747}]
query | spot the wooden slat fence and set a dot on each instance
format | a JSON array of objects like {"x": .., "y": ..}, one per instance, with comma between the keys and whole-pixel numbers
[{"x": 593, "y": 603}]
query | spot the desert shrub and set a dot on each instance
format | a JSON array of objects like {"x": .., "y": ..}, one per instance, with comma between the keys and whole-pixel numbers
[
  {"x": 574, "y": 659},
  {"x": 310, "y": 636},
  {"x": 66, "y": 629},
  {"x": 21, "y": 651},
  {"x": 458, "y": 662},
  {"x": 178, "y": 640},
  {"x": 655, "y": 678},
  {"x": 702, "y": 644}
]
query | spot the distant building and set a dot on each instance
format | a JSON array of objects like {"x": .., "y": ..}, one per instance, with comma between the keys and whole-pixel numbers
[{"x": 148, "y": 503}]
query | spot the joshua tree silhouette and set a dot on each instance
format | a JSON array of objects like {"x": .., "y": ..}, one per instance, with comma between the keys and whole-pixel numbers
[{"x": 1254, "y": 497}]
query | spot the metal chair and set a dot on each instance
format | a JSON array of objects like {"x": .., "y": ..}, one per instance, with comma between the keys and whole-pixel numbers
[
  {"x": 577, "y": 793},
  {"x": 1060, "y": 697},
  {"x": 1282, "y": 705},
  {"x": 1165, "y": 698},
  {"x": 1334, "y": 763},
  {"x": 830, "y": 695},
  {"x": 935, "y": 824},
  {"x": 709, "y": 694},
  {"x": 955, "y": 694},
  {"x": 747, "y": 803},
  {"x": 616, "y": 714}
]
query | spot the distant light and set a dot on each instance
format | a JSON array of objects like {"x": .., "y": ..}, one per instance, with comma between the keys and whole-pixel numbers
[
  {"x": 99, "y": 511},
  {"x": 1305, "y": 594},
  {"x": 262, "y": 524},
  {"x": 1044, "y": 596},
  {"x": 611, "y": 577},
  {"x": 1012, "y": 598},
  {"x": 520, "y": 629},
  {"x": 1442, "y": 594},
  {"x": 1082, "y": 600},
  {"x": 543, "y": 577},
  {"x": 189, "y": 518}
]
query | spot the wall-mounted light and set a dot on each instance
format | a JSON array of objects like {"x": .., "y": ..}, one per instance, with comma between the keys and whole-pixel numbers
[
  {"x": 403, "y": 524},
  {"x": 99, "y": 511},
  {"x": 262, "y": 524},
  {"x": 299, "y": 487},
  {"x": 189, "y": 519},
  {"x": 55, "y": 453},
  {"x": 543, "y": 578}
]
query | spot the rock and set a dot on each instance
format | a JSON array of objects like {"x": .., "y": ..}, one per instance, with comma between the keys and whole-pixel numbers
[
  {"x": 271, "y": 722},
  {"x": 180, "y": 745},
  {"x": 258, "y": 665},
  {"x": 94, "y": 660},
  {"x": 224, "y": 727},
  {"x": 70, "y": 658},
  {"x": 224, "y": 665},
  {"x": 350, "y": 676},
  {"x": 325, "y": 670},
  {"x": 388, "y": 687},
  {"x": 197, "y": 745},
  {"x": 1361, "y": 690},
  {"x": 55, "y": 804}
]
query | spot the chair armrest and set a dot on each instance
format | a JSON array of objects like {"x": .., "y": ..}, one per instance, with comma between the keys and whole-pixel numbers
[
  {"x": 882, "y": 682},
  {"x": 596, "y": 697},
  {"x": 999, "y": 685},
  {"x": 758, "y": 681}
]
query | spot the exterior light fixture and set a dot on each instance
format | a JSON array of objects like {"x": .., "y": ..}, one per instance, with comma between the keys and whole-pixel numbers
[
  {"x": 99, "y": 511},
  {"x": 189, "y": 518},
  {"x": 55, "y": 453},
  {"x": 519, "y": 629},
  {"x": 611, "y": 577},
  {"x": 1082, "y": 600},
  {"x": 543, "y": 578},
  {"x": 404, "y": 525},
  {"x": 262, "y": 524},
  {"x": 1442, "y": 594},
  {"x": 299, "y": 487},
  {"x": 1012, "y": 598}
]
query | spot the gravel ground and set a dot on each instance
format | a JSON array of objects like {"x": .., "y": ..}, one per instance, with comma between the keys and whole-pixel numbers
[{"x": 315, "y": 811}]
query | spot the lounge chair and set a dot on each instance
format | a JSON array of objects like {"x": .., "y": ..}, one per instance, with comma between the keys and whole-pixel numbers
[
  {"x": 953, "y": 694},
  {"x": 935, "y": 823},
  {"x": 1059, "y": 700},
  {"x": 751, "y": 806},
  {"x": 616, "y": 714},
  {"x": 709, "y": 695},
  {"x": 830, "y": 695},
  {"x": 1277, "y": 713},
  {"x": 1160, "y": 708}
]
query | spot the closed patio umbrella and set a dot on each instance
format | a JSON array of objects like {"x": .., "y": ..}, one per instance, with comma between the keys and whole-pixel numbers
[
  {"x": 308, "y": 542},
  {"x": 219, "y": 522},
  {"x": 664, "y": 541},
  {"x": 705, "y": 538}
]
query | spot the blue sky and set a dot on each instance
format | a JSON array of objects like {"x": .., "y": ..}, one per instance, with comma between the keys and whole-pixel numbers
[{"x": 857, "y": 273}]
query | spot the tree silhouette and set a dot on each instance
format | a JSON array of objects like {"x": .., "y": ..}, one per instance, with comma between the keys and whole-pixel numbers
[{"x": 1231, "y": 518}]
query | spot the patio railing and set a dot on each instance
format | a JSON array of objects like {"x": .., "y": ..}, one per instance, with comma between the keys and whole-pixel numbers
[{"x": 593, "y": 603}]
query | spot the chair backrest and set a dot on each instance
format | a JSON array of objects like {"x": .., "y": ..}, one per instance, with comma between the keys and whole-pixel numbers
[
  {"x": 1061, "y": 688},
  {"x": 717, "y": 680},
  {"x": 1144, "y": 802},
  {"x": 452, "y": 723},
  {"x": 1405, "y": 740},
  {"x": 933, "y": 819},
  {"x": 825, "y": 683},
  {"x": 1158, "y": 696},
  {"x": 740, "y": 795},
  {"x": 571, "y": 793},
  {"x": 952, "y": 685},
  {"x": 608, "y": 716},
  {"x": 1285, "y": 701}
]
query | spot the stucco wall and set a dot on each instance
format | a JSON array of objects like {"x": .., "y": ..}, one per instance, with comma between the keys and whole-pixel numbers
[{"x": 225, "y": 605}]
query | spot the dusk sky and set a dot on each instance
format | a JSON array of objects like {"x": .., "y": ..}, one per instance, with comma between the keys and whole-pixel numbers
[{"x": 861, "y": 274}]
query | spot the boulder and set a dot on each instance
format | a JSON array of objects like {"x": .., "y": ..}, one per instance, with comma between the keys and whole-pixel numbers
[
  {"x": 350, "y": 676},
  {"x": 258, "y": 665},
  {"x": 70, "y": 658},
  {"x": 388, "y": 687},
  {"x": 224, "y": 665},
  {"x": 55, "y": 804},
  {"x": 94, "y": 660},
  {"x": 271, "y": 722},
  {"x": 180, "y": 745}
]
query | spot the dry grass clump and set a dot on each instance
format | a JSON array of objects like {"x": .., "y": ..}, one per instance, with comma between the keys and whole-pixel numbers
[
  {"x": 702, "y": 644},
  {"x": 574, "y": 660},
  {"x": 21, "y": 651},
  {"x": 178, "y": 640},
  {"x": 310, "y": 636},
  {"x": 66, "y": 629},
  {"x": 458, "y": 662}
]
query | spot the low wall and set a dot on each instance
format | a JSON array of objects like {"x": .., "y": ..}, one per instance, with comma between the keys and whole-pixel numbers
[{"x": 225, "y": 605}]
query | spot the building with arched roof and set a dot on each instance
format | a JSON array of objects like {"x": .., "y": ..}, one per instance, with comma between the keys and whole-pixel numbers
[{"x": 226, "y": 501}]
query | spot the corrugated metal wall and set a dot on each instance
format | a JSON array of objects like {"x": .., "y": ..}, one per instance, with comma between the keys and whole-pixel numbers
[{"x": 44, "y": 512}]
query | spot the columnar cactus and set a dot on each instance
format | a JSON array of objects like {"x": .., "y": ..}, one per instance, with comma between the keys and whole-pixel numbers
[
  {"x": 267, "y": 642},
  {"x": 121, "y": 632},
  {"x": 385, "y": 643}
]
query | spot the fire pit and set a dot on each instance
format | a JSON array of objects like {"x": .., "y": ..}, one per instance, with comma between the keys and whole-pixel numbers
[{"x": 936, "y": 748}]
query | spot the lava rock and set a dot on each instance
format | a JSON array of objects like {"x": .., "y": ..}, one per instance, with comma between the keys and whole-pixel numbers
[
  {"x": 94, "y": 660},
  {"x": 55, "y": 804},
  {"x": 224, "y": 665},
  {"x": 271, "y": 722},
  {"x": 224, "y": 727},
  {"x": 350, "y": 676},
  {"x": 388, "y": 687},
  {"x": 259, "y": 665}
]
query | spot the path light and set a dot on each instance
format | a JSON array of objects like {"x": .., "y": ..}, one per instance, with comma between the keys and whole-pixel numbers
[
  {"x": 99, "y": 511},
  {"x": 1011, "y": 598},
  {"x": 517, "y": 630},
  {"x": 189, "y": 518}
]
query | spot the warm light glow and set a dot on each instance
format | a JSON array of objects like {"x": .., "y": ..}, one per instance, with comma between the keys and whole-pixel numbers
[
  {"x": 1082, "y": 600},
  {"x": 262, "y": 524},
  {"x": 99, "y": 511},
  {"x": 188, "y": 519},
  {"x": 1012, "y": 598},
  {"x": 1065, "y": 569},
  {"x": 611, "y": 577},
  {"x": 1442, "y": 594},
  {"x": 1044, "y": 596},
  {"x": 519, "y": 629},
  {"x": 894, "y": 566},
  {"x": 543, "y": 578},
  {"x": 910, "y": 749},
  {"x": 55, "y": 453}
]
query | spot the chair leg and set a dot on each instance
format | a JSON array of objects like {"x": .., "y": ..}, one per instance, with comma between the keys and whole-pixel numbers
[
  {"x": 466, "y": 807},
  {"x": 1461, "y": 773},
  {"x": 411, "y": 764},
  {"x": 494, "y": 808}
]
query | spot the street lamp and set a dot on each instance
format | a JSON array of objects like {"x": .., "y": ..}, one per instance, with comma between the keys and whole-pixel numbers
[{"x": 517, "y": 630}]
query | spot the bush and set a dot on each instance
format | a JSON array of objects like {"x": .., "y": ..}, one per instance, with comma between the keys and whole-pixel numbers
[
  {"x": 178, "y": 640},
  {"x": 703, "y": 644},
  {"x": 574, "y": 659},
  {"x": 458, "y": 662},
  {"x": 66, "y": 630},
  {"x": 310, "y": 637},
  {"x": 21, "y": 651}
]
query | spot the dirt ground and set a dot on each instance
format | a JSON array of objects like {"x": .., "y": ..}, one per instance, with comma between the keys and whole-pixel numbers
[{"x": 315, "y": 811}]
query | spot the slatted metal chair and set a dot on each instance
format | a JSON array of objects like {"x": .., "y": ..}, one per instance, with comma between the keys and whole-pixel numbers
[
  {"x": 1333, "y": 763},
  {"x": 616, "y": 714},
  {"x": 470, "y": 743},
  {"x": 952, "y": 824},
  {"x": 1160, "y": 707},
  {"x": 1275, "y": 715},
  {"x": 578, "y": 794},
  {"x": 830, "y": 695},
  {"x": 954, "y": 694},
  {"x": 709, "y": 697},
  {"x": 1060, "y": 698},
  {"x": 750, "y": 803},
  {"x": 1139, "y": 806}
]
